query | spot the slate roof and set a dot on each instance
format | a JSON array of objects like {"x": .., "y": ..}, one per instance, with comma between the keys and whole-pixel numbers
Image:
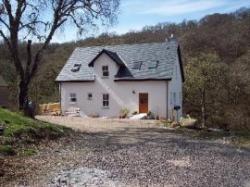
[
  {"x": 111, "y": 54},
  {"x": 166, "y": 53}
]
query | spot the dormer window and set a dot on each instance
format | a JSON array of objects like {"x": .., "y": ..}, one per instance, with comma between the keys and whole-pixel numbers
[
  {"x": 153, "y": 65},
  {"x": 105, "y": 71},
  {"x": 137, "y": 65},
  {"x": 76, "y": 67}
]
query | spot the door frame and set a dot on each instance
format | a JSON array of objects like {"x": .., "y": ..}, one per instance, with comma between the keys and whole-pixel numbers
[{"x": 141, "y": 109}]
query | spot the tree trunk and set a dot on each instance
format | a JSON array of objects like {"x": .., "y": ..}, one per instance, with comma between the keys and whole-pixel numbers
[
  {"x": 203, "y": 109},
  {"x": 23, "y": 96},
  {"x": 203, "y": 116}
]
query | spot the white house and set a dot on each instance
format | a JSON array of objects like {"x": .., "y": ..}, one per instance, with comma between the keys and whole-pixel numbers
[{"x": 103, "y": 80}]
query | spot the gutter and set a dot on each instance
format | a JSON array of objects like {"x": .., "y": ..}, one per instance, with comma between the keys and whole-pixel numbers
[{"x": 148, "y": 79}]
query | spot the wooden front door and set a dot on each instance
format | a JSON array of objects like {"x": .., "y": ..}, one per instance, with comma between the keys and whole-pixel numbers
[{"x": 143, "y": 102}]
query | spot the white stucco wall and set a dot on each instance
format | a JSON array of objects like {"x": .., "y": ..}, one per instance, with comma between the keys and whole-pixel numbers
[
  {"x": 123, "y": 94},
  {"x": 175, "y": 86}
]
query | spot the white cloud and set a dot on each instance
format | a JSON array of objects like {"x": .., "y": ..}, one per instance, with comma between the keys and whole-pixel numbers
[
  {"x": 178, "y": 7},
  {"x": 183, "y": 7}
]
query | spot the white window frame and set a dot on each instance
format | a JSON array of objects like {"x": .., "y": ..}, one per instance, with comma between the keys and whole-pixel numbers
[
  {"x": 73, "y": 97},
  {"x": 105, "y": 100},
  {"x": 105, "y": 69}
]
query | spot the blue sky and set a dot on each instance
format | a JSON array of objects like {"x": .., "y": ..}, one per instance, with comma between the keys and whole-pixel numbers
[{"x": 135, "y": 14}]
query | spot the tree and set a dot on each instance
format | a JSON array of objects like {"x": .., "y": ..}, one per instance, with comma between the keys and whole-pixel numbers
[
  {"x": 203, "y": 84},
  {"x": 27, "y": 20}
]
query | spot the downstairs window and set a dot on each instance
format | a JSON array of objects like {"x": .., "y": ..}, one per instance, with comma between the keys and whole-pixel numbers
[
  {"x": 105, "y": 100},
  {"x": 73, "y": 98}
]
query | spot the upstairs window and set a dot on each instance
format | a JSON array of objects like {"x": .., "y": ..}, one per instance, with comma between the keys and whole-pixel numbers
[
  {"x": 105, "y": 71},
  {"x": 72, "y": 97},
  {"x": 137, "y": 65},
  {"x": 105, "y": 100},
  {"x": 90, "y": 96},
  {"x": 153, "y": 65},
  {"x": 76, "y": 67}
]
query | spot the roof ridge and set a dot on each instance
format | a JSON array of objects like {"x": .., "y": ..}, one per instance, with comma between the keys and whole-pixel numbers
[{"x": 116, "y": 45}]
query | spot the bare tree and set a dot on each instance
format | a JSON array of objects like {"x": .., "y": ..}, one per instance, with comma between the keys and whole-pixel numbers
[{"x": 27, "y": 20}]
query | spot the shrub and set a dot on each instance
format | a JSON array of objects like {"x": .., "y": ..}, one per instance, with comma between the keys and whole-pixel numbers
[
  {"x": 134, "y": 113},
  {"x": 151, "y": 115},
  {"x": 124, "y": 113}
]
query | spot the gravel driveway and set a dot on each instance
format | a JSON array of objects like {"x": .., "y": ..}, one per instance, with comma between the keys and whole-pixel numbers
[{"x": 134, "y": 153}]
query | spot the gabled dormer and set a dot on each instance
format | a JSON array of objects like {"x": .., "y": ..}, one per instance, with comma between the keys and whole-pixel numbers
[{"x": 108, "y": 64}]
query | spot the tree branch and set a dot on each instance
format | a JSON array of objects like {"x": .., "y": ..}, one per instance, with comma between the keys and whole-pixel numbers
[
  {"x": 5, "y": 24},
  {"x": 5, "y": 39},
  {"x": 9, "y": 10}
]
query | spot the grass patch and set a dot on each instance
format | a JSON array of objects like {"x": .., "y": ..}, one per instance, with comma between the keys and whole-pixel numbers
[
  {"x": 20, "y": 130},
  {"x": 7, "y": 150},
  {"x": 16, "y": 125},
  {"x": 28, "y": 152}
]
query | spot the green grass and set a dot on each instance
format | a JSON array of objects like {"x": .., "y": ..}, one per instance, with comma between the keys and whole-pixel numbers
[
  {"x": 16, "y": 125},
  {"x": 7, "y": 150},
  {"x": 28, "y": 152},
  {"x": 20, "y": 130}
]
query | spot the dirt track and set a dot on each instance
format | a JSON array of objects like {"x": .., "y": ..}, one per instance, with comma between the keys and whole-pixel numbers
[{"x": 134, "y": 153}]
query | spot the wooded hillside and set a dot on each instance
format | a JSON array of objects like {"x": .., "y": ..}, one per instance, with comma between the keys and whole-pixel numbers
[{"x": 216, "y": 53}]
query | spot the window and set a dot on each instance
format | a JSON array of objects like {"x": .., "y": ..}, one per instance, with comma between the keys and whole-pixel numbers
[
  {"x": 153, "y": 65},
  {"x": 105, "y": 100},
  {"x": 137, "y": 65},
  {"x": 73, "y": 97},
  {"x": 90, "y": 96},
  {"x": 105, "y": 71},
  {"x": 76, "y": 67}
]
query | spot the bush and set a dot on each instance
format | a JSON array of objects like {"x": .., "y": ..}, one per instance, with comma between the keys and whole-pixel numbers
[
  {"x": 151, "y": 115},
  {"x": 124, "y": 113},
  {"x": 134, "y": 113}
]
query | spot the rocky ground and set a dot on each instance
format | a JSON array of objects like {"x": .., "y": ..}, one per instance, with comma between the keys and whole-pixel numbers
[{"x": 131, "y": 154}]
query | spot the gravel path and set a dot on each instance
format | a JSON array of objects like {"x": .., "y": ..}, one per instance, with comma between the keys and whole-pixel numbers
[{"x": 134, "y": 154}]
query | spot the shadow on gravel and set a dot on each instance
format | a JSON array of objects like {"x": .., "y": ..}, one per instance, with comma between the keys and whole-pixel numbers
[
  {"x": 141, "y": 157},
  {"x": 157, "y": 156},
  {"x": 156, "y": 137}
]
